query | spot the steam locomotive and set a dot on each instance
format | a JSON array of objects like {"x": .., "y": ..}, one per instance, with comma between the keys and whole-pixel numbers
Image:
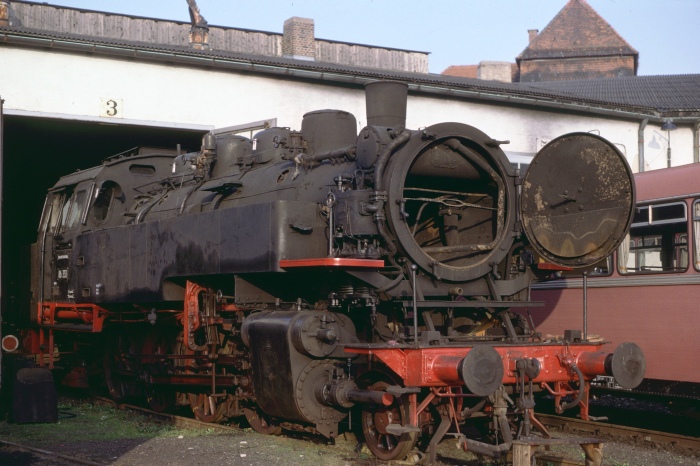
[{"x": 302, "y": 276}]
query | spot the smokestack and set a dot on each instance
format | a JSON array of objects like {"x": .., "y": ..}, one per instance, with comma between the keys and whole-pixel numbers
[
  {"x": 386, "y": 103},
  {"x": 532, "y": 33}
]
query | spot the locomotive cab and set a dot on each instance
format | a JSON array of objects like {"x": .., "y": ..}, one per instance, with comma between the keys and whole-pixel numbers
[{"x": 63, "y": 219}]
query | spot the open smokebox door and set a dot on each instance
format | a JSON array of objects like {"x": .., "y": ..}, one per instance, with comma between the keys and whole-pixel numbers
[{"x": 577, "y": 200}]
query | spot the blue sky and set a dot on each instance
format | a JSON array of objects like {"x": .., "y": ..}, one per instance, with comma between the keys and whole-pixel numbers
[{"x": 455, "y": 32}]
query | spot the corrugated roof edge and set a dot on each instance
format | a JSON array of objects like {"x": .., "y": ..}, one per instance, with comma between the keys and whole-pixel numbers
[{"x": 467, "y": 88}]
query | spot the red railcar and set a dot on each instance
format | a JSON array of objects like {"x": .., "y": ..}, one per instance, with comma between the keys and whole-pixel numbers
[{"x": 647, "y": 290}]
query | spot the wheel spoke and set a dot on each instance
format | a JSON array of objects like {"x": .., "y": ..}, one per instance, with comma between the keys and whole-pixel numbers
[
  {"x": 261, "y": 422},
  {"x": 206, "y": 408},
  {"x": 384, "y": 445}
]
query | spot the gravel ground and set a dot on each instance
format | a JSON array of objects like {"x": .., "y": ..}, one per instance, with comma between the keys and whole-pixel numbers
[{"x": 103, "y": 435}]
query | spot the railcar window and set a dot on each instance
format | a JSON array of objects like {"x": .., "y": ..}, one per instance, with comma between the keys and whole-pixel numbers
[
  {"x": 601, "y": 269},
  {"x": 522, "y": 166},
  {"x": 696, "y": 234},
  {"x": 657, "y": 242}
]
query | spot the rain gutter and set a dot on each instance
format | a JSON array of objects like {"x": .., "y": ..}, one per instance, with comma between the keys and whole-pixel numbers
[{"x": 346, "y": 77}]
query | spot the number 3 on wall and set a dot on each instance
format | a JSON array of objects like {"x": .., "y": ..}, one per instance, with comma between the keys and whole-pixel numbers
[{"x": 111, "y": 108}]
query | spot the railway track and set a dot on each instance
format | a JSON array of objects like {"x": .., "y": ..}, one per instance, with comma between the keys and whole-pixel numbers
[
  {"x": 172, "y": 419},
  {"x": 51, "y": 456},
  {"x": 609, "y": 433},
  {"x": 597, "y": 428}
]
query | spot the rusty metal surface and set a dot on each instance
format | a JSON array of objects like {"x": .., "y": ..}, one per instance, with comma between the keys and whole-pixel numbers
[{"x": 578, "y": 199}]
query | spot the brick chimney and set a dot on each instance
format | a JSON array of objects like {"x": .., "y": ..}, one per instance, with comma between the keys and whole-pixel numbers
[
  {"x": 495, "y": 71},
  {"x": 199, "y": 31},
  {"x": 299, "y": 40},
  {"x": 4, "y": 13},
  {"x": 532, "y": 33}
]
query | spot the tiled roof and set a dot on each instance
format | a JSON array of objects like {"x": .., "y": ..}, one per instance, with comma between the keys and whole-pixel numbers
[
  {"x": 673, "y": 94},
  {"x": 577, "y": 31},
  {"x": 463, "y": 71},
  {"x": 472, "y": 71},
  {"x": 516, "y": 93}
]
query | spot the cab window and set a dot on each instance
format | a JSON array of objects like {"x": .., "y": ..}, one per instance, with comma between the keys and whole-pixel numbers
[
  {"x": 103, "y": 201},
  {"x": 52, "y": 212},
  {"x": 72, "y": 210}
]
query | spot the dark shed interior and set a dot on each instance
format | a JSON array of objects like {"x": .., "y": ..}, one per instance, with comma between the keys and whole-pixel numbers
[{"x": 37, "y": 152}]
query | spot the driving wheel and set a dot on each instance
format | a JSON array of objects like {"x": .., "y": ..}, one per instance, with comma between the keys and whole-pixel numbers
[
  {"x": 385, "y": 445},
  {"x": 261, "y": 422},
  {"x": 206, "y": 408}
]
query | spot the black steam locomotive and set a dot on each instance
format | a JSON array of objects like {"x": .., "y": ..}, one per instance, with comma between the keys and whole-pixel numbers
[{"x": 301, "y": 275}]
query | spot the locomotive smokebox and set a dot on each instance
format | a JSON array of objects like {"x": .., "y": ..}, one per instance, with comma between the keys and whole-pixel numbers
[
  {"x": 386, "y": 103},
  {"x": 577, "y": 200}
]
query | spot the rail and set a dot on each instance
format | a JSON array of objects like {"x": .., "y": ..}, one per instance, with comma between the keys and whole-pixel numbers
[{"x": 600, "y": 428}]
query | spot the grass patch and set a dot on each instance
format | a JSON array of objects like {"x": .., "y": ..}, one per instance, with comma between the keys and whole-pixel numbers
[{"x": 80, "y": 419}]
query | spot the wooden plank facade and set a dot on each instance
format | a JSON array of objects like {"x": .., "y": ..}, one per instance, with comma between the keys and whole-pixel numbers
[{"x": 46, "y": 17}]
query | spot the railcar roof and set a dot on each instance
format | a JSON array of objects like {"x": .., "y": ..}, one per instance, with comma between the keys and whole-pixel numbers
[{"x": 668, "y": 183}]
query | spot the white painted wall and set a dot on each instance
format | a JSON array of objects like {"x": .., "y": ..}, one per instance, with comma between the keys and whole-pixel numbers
[
  {"x": 656, "y": 143},
  {"x": 76, "y": 86}
]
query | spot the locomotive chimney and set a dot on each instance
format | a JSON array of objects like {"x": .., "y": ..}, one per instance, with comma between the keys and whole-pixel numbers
[{"x": 386, "y": 103}]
